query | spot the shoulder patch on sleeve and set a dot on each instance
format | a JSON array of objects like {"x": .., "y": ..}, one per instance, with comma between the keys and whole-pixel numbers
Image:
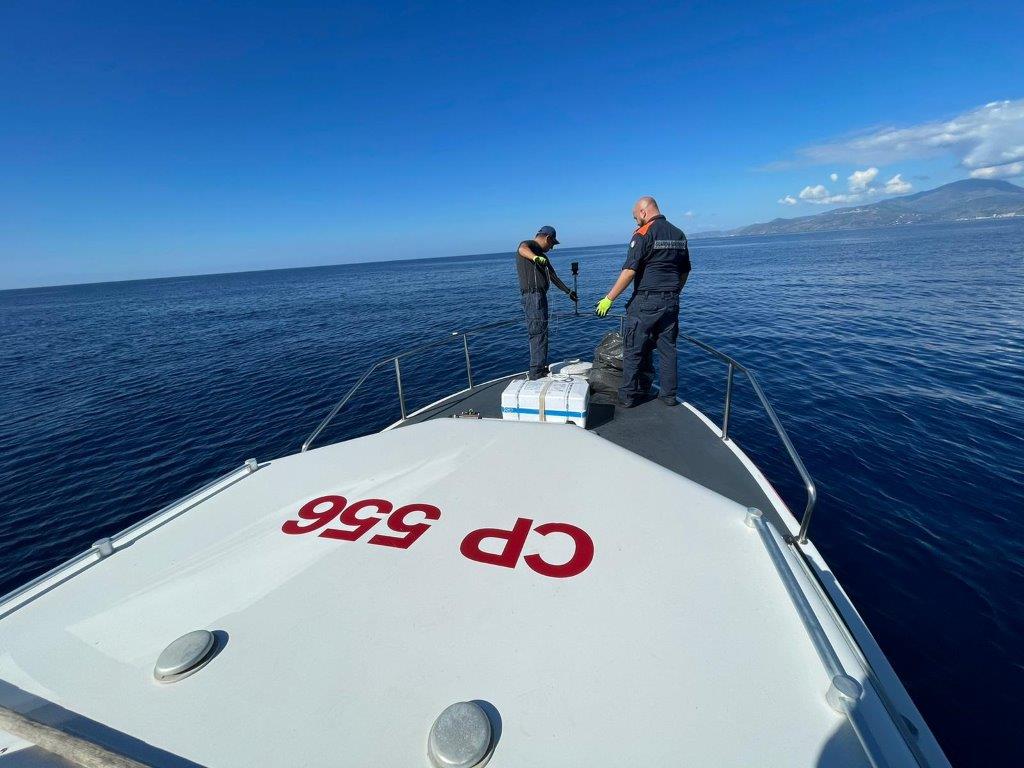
[{"x": 632, "y": 243}]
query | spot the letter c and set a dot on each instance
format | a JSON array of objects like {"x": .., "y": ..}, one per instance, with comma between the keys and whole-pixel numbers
[{"x": 576, "y": 564}]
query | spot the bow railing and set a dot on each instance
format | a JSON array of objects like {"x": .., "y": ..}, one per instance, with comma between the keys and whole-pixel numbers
[{"x": 733, "y": 366}]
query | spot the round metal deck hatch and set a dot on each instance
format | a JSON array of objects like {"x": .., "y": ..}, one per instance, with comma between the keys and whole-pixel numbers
[
  {"x": 184, "y": 656},
  {"x": 460, "y": 737}
]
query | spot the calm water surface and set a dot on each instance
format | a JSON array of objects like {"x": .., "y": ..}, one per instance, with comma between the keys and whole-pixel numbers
[{"x": 895, "y": 358}]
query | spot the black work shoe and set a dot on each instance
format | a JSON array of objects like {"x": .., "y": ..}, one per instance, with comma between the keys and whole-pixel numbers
[
  {"x": 626, "y": 403},
  {"x": 545, "y": 371},
  {"x": 673, "y": 402}
]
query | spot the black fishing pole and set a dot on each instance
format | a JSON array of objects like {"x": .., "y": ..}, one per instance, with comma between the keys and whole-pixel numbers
[{"x": 575, "y": 267}]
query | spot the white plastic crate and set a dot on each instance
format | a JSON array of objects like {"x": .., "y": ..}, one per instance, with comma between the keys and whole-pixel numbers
[
  {"x": 553, "y": 399},
  {"x": 574, "y": 367},
  {"x": 510, "y": 400}
]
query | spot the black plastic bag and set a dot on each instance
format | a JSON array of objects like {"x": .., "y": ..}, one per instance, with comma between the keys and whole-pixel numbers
[
  {"x": 604, "y": 381},
  {"x": 609, "y": 352}
]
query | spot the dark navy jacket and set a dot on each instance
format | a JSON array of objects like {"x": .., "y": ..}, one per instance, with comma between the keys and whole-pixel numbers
[
  {"x": 659, "y": 254},
  {"x": 533, "y": 278}
]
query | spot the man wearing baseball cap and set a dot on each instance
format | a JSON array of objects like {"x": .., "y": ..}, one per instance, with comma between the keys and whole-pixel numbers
[{"x": 535, "y": 273}]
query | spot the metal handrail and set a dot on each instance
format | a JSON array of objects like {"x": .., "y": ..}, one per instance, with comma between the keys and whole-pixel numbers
[
  {"x": 805, "y": 476},
  {"x": 107, "y": 546},
  {"x": 733, "y": 366},
  {"x": 395, "y": 360},
  {"x": 845, "y": 692},
  {"x": 63, "y": 744}
]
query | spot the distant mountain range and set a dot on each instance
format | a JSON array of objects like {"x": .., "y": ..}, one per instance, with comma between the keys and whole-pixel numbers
[{"x": 966, "y": 200}]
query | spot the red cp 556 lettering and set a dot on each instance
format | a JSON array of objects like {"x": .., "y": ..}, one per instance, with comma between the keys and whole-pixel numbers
[
  {"x": 515, "y": 540},
  {"x": 406, "y": 524}
]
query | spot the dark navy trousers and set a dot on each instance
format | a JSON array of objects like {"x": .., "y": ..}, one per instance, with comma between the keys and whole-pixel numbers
[
  {"x": 535, "y": 307},
  {"x": 652, "y": 322}
]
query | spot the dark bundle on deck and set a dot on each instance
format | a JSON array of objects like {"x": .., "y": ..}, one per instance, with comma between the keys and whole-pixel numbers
[{"x": 606, "y": 376}]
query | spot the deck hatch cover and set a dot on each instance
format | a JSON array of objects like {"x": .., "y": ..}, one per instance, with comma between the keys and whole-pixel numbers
[
  {"x": 460, "y": 737},
  {"x": 184, "y": 656}
]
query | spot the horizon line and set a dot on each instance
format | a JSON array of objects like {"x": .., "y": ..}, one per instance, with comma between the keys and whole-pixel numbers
[
  {"x": 707, "y": 233},
  {"x": 281, "y": 269}
]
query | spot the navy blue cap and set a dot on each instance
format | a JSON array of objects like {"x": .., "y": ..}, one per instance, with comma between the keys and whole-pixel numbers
[{"x": 550, "y": 232}]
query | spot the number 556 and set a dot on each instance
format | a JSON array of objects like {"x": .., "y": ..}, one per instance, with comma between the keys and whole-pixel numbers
[{"x": 356, "y": 519}]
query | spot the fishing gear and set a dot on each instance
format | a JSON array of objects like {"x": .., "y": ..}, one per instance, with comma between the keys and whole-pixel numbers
[{"x": 575, "y": 267}]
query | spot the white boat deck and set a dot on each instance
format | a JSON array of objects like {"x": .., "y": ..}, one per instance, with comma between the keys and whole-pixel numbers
[{"x": 675, "y": 644}]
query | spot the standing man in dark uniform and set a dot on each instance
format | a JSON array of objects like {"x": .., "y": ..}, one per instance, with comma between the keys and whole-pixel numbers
[
  {"x": 535, "y": 273},
  {"x": 657, "y": 263}
]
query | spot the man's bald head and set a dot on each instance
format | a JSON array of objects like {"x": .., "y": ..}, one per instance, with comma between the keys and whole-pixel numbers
[{"x": 645, "y": 209}]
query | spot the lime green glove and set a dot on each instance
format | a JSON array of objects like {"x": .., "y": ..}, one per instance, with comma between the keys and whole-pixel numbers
[
  {"x": 603, "y": 306},
  {"x": 540, "y": 261}
]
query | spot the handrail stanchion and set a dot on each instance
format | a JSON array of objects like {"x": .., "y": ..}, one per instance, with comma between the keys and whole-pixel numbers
[
  {"x": 469, "y": 365},
  {"x": 728, "y": 402},
  {"x": 809, "y": 486},
  {"x": 401, "y": 394},
  {"x": 812, "y": 491}
]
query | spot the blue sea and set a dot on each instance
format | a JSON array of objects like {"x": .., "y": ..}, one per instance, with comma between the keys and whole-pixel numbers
[{"x": 895, "y": 358}]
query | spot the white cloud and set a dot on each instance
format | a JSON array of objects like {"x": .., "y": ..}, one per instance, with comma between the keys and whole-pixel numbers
[
  {"x": 859, "y": 188},
  {"x": 859, "y": 180},
  {"x": 688, "y": 214},
  {"x": 834, "y": 176},
  {"x": 846, "y": 198},
  {"x": 897, "y": 186},
  {"x": 1007, "y": 171},
  {"x": 817, "y": 192},
  {"x": 838, "y": 198},
  {"x": 819, "y": 195},
  {"x": 984, "y": 139}
]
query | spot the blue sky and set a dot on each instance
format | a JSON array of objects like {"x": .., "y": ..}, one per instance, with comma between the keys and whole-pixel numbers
[{"x": 152, "y": 139}]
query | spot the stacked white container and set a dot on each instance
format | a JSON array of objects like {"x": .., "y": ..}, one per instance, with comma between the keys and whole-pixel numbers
[{"x": 553, "y": 399}]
